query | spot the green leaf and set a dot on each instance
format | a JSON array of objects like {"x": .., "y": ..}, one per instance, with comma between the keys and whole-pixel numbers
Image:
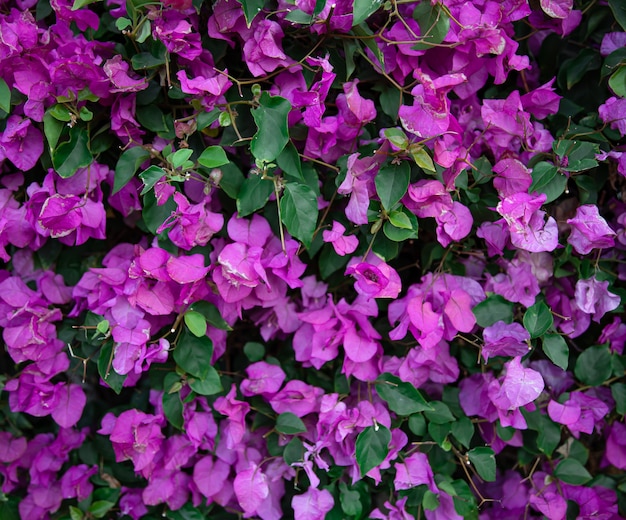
[
  {"x": 79, "y": 4},
  {"x": 439, "y": 433},
  {"x": 422, "y": 158},
  {"x": 574, "y": 69},
  {"x": 546, "y": 179},
  {"x": 127, "y": 165},
  {"x": 145, "y": 30},
  {"x": 619, "y": 11},
  {"x": 555, "y": 347},
  {"x": 397, "y": 137},
  {"x": 548, "y": 435},
  {"x": 253, "y": 194},
  {"x": 195, "y": 323},
  {"x": 430, "y": 501},
  {"x": 364, "y": 32},
  {"x": 363, "y": 9},
  {"x": 155, "y": 120},
  {"x": 254, "y": 351},
  {"x": 298, "y": 207},
  {"x": 75, "y": 513},
  {"x": 495, "y": 308},
  {"x": 402, "y": 398},
  {"x": 372, "y": 446},
  {"x": 538, "y": 319},
  {"x": 100, "y": 508},
  {"x": 484, "y": 460},
  {"x": 187, "y": 512},
  {"x": 179, "y": 157},
  {"x": 212, "y": 157},
  {"x": 193, "y": 354},
  {"x": 150, "y": 176},
  {"x": 72, "y": 155},
  {"x": 593, "y": 366},
  {"x": 146, "y": 60},
  {"x": 289, "y": 424},
  {"x": 273, "y": 132},
  {"x": 417, "y": 424},
  {"x": 105, "y": 369},
  {"x": 60, "y": 112},
  {"x": 440, "y": 413},
  {"x": 289, "y": 162},
  {"x": 172, "y": 405},
  {"x": 5, "y": 96},
  {"x": 350, "y": 500},
  {"x": 211, "y": 384},
  {"x": 617, "y": 82},
  {"x": 400, "y": 220},
  {"x": 618, "y": 391},
  {"x": 211, "y": 314},
  {"x": 573, "y": 472},
  {"x": 251, "y": 8},
  {"x": 434, "y": 24},
  {"x": 153, "y": 214},
  {"x": 53, "y": 128},
  {"x": 392, "y": 183},
  {"x": 463, "y": 431},
  {"x": 294, "y": 451}
]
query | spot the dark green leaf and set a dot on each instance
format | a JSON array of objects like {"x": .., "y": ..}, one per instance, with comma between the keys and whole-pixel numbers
[
  {"x": 430, "y": 501},
  {"x": 60, "y": 112},
  {"x": 187, "y": 512},
  {"x": 574, "y": 69},
  {"x": 364, "y": 32},
  {"x": 204, "y": 119},
  {"x": 495, "y": 308},
  {"x": 439, "y": 433},
  {"x": 75, "y": 513},
  {"x": 546, "y": 179},
  {"x": 212, "y": 157},
  {"x": 153, "y": 214},
  {"x": 417, "y": 424},
  {"x": 172, "y": 405},
  {"x": 289, "y": 162},
  {"x": 298, "y": 16},
  {"x": 210, "y": 385},
  {"x": 363, "y": 9},
  {"x": 298, "y": 206},
  {"x": 402, "y": 398},
  {"x": 618, "y": 391},
  {"x": 254, "y": 351},
  {"x": 397, "y": 234},
  {"x": 232, "y": 179},
  {"x": 484, "y": 460},
  {"x": 150, "y": 176},
  {"x": 273, "y": 132},
  {"x": 555, "y": 347},
  {"x": 463, "y": 431},
  {"x": 330, "y": 261},
  {"x": 350, "y": 500},
  {"x": 196, "y": 323},
  {"x": 617, "y": 81},
  {"x": 211, "y": 314},
  {"x": 127, "y": 165},
  {"x": 146, "y": 60},
  {"x": 391, "y": 183},
  {"x": 434, "y": 24},
  {"x": 289, "y": 424},
  {"x": 619, "y": 11},
  {"x": 372, "y": 446},
  {"x": 251, "y": 8},
  {"x": 253, "y": 194},
  {"x": 593, "y": 366},
  {"x": 105, "y": 369},
  {"x": 99, "y": 508},
  {"x": 548, "y": 435},
  {"x": 573, "y": 472},
  {"x": 152, "y": 118},
  {"x": 440, "y": 413},
  {"x": 72, "y": 155},
  {"x": 193, "y": 354},
  {"x": 294, "y": 451},
  {"x": 5, "y": 96},
  {"x": 538, "y": 319}
]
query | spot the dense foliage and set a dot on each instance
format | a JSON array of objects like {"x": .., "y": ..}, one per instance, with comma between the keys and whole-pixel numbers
[{"x": 323, "y": 259}]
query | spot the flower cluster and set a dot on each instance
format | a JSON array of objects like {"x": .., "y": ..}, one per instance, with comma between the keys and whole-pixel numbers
[{"x": 348, "y": 259}]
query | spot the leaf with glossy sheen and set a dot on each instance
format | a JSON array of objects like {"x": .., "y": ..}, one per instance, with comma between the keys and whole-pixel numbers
[
  {"x": 298, "y": 207},
  {"x": 212, "y": 157},
  {"x": 392, "y": 182},
  {"x": 251, "y": 8},
  {"x": 273, "y": 131},
  {"x": 72, "y": 155},
  {"x": 372, "y": 446},
  {"x": 538, "y": 319},
  {"x": 5, "y": 96},
  {"x": 573, "y": 472},
  {"x": 403, "y": 398},
  {"x": 484, "y": 460},
  {"x": 363, "y": 9},
  {"x": 619, "y": 11},
  {"x": 193, "y": 354},
  {"x": 127, "y": 165},
  {"x": 253, "y": 194},
  {"x": 555, "y": 347},
  {"x": 289, "y": 424}
]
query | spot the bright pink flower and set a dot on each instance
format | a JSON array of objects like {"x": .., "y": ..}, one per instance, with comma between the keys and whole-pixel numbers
[
  {"x": 342, "y": 244},
  {"x": 504, "y": 339},
  {"x": 519, "y": 387},
  {"x": 414, "y": 471},
  {"x": 375, "y": 278},
  {"x": 262, "y": 50},
  {"x": 235, "y": 426},
  {"x": 593, "y": 297},
  {"x": 251, "y": 489},
  {"x": 298, "y": 398},
  {"x": 453, "y": 224},
  {"x": 21, "y": 143},
  {"x": 313, "y": 504},
  {"x": 616, "y": 445},
  {"x": 263, "y": 379}
]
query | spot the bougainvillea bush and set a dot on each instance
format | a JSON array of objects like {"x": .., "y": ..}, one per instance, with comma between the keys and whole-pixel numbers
[{"x": 313, "y": 259}]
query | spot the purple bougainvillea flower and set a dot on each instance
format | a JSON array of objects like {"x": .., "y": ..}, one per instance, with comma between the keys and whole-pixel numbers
[
  {"x": 342, "y": 244},
  {"x": 116, "y": 70},
  {"x": 593, "y": 297},
  {"x": 313, "y": 504},
  {"x": 21, "y": 143},
  {"x": 616, "y": 445},
  {"x": 453, "y": 224},
  {"x": 613, "y": 111},
  {"x": 589, "y": 230},
  {"x": 210, "y": 475},
  {"x": 374, "y": 278},
  {"x": 557, "y": 8},
  {"x": 542, "y": 101},
  {"x": 427, "y": 198},
  {"x": 519, "y": 387},
  {"x": 551, "y": 504},
  {"x": 414, "y": 471},
  {"x": 236, "y": 411},
  {"x": 262, "y": 50},
  {"x": 513, "y": 177},
  {"x": 251, "y": 489},
  {"x": 567, "y": 413},
  {"x": 75, "y": 482},
  {"x": 298, "y": 398},
  {"x": 363, "y": 109},
  {"x": 263, "y": 379},
  {"x": 505, "y": 339}
]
